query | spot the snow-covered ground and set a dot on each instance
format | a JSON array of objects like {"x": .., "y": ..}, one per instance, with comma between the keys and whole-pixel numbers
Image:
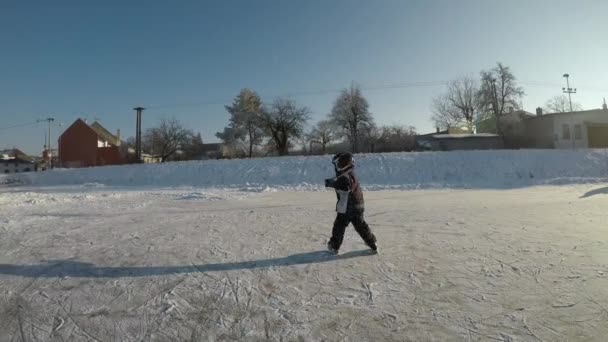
[
  {"x": 234, "y": 250},
  {"x": 104, "y": 263}
]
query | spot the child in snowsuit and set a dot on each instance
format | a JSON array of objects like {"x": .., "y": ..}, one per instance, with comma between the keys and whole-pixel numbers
[{"x": 350, "y": 204}]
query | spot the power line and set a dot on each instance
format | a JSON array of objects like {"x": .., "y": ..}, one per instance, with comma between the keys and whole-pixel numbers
[
  {"x": 19, "y": 125},
  {"x": 559, "y": 86},
  {"x": 401, "y": 85},
  {"x": 304, "y": 93}
]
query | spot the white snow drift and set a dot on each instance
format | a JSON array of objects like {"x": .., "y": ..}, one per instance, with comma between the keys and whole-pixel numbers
[{"x": 475, "y": 169}]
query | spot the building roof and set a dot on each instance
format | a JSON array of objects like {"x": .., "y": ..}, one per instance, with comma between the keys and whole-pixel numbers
[
  {"x": 97, "y": 129},
  {"x": 81, "y": 123},
  {"x": 15, "y": 152},
  {"x": 465, "y": 136},
  {"x": 16, "y": 160},
  {"x": 12, "y": 152},
  {"x": 103, "y": 133},
  {"x": 522, "y": 113},
  {"x": 551, "y": 115}
]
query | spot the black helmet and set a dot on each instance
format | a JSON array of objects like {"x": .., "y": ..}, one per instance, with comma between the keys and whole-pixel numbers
[{"x": 343, "y": 161}]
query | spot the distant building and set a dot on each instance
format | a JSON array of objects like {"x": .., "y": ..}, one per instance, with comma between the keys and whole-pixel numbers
[
  {"x": 208, "y": 151},
  {"x": 212, "y": 151},
  {"x": 512, "y": 126},
  {"x": 15, "y": 153},
  {"x": 82, "y": 145},
  {"x": 150, "y": 159},
  {"x": 106, "y": 138},
  {"x": 10, "y": 164},
  {"x": 581, "y": 129},
  {"x": 455, "y": 142}
]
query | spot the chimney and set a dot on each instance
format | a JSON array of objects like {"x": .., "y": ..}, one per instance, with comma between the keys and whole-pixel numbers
[
  {"x": 539, "y": 111},
  {"x": 437, "y": 129},
  {"x": 118, "y": 137},
  {"x": 604, "y": 106}
]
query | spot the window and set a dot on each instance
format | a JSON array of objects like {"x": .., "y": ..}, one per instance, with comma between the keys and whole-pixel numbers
[
  {"x": 6, "y": 171},
  {"x": 566, "y": 132},
  {"x": 578, "y": 132},
  {"x": 27, "y": 169}
]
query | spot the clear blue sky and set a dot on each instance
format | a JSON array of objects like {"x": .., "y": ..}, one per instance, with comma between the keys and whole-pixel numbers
[{"x": 99, "y": 59}]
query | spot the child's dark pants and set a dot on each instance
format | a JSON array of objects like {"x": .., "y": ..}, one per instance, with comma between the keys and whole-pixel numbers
[{"x": 342, "y": 221}]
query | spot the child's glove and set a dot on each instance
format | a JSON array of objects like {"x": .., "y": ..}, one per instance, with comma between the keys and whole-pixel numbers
[{"x": 330, "y": 183}]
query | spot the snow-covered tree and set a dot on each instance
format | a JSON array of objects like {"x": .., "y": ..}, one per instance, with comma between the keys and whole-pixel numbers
[
  {"x": 351, "y": 115},
  {"x": 245, "y": 121}
]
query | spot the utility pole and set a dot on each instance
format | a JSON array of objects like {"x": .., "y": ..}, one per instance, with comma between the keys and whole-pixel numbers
[
  {"x": 49, "y": 148},
  {"x": 139, "y": 111},
  {"x": 570, "y": 91}
]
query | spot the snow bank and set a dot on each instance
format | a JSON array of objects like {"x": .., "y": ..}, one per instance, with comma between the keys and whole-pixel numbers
[{"x": 473, "y": 169}]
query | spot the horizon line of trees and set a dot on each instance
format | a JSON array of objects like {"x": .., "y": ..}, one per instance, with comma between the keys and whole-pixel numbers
[
  {"x": 280, "y": 127},
  {"x": 468, "y": 101}
]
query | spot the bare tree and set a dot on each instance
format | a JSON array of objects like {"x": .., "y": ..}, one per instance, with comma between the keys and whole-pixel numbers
[
  {"x": 369, "y": 137},
  {"x": 195, "y": 148},
  {"x": 322, "y": 134},
  {"x": 397, "y": 138},
  {"x": 351, "y": 114},
  {"x": 168, "y": 138},
  {"x": 499, "y": 92},
  {"x": 561, "y": 104},
  {"x": 302, "y": 143},
  {"x": 284, "y": 120},
  {"x": 459, "y": 106},
  {"x": 245, "y": 121}
]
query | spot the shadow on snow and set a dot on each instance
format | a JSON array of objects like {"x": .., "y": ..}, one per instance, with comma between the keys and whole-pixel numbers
[
  {"x": 599, "y": 191},
  {"x": 77, "y": 269}
]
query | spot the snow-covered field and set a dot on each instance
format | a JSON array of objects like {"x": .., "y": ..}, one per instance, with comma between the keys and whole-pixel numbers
[
  {"x": 86, "y": 263},
  {"x": 475, "y": 246}
]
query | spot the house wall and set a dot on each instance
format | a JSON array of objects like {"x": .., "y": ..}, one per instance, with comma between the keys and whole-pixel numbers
[
  {"x": 78, "y": 146},
  {"x": 7, "y": 166},
  {"x": 493, "y": 143},
  {"x": 512, "y": 126},
  {"x": 539, "y": 133},
  {"x": 597, "y": 135},
  {"x": 513, "y": 130},
  {"x": 109, "y": 156},
  {"x": 583, "y": 119}
]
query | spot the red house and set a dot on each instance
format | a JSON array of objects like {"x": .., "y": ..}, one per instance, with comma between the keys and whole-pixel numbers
[{"x": 82, "y": 145}]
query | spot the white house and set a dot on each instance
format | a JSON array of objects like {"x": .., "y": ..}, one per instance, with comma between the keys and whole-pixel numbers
[
  {"x": 585, "y": 129},
  {"x": 570, "y": 130},
  {"x": 15, "y": 165}
]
